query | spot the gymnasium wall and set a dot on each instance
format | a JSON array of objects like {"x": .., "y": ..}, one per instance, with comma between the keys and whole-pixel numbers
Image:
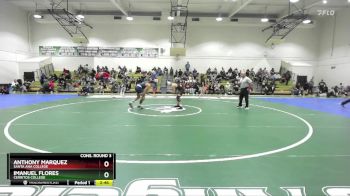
[
  {"x": 208, "y": 45},
  {"x": 334, "y": 52},
  {"x": 14, "y": 40}
]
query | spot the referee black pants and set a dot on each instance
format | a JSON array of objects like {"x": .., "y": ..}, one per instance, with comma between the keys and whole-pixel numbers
[{"x": 244, "y": 93}]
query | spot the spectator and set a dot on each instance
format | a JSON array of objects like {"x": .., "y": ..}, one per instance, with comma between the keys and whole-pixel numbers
[
  {"x": 298, "y": 90},
  {"x": 332, "y": 92},
  {"x": 322, "y": 87},
  {"x": 341, "y": 89},
  {"x": 180, "y": 73},
  {"x": 138, "y": 70},
  {"x": 51, "y": 86},
  {"x": 42, "y": 78},
  {"x": 113, "y": 73},
  {"x": 4, "y": 90},
  {"x": 187, "y": 66},
  {"x": 15, "y": 86},
  {"x": 310, "y": 90},
  {"x": 101, "y": 87},
  {"x": 154, "y": 81},
  {"x": 287, "y": 77}
]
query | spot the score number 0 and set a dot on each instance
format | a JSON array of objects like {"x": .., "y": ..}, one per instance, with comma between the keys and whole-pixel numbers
[{"x": 106, "y": 164}]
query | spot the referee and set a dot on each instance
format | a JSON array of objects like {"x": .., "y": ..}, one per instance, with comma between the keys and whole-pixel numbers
[{"x": 245, "y": 86}]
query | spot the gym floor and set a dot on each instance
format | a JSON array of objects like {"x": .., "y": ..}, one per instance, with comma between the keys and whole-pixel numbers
[{"x": 279, "y": 142}]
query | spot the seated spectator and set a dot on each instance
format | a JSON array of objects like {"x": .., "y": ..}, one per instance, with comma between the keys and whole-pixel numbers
[
  {"x": 93, "y": 73},
  {"x": 115, "y": 88},
  {"x": 51, "y": 86},
  {"x": 332, "y": 92},
  {"x": 223, "y": 73},
  {"x": 101, "y": 87},
  {"x": 196, "y": 88},
  {"x": 252, "y": 73},
  {"x": 195, "y": 74},
  {"x": 27, "y": 84},
  {"x": 236, "y": 86},
  {"x": 222, "y": 89},
  {"x": 297, "y": 90},
  {"x": 114, "y": 73},
  {"x": 341, "y": 89},
  {"x": 180, "y": 73},
  {"x": 323, "y": 87},
  {"x": 4, "y": 90},
  {"x": 105, "y": 76},
  {"x": 208, "y": 71},
  {"x": 15, "y": 86},
  {"x": 53, "y": 77},
  {"x": 45, "y": 87},
  {"x": 138, "y": 70},
  {"x": 24, "y": 89},
  {"x": 211, "y": 89},
  {"x": 271, "y": 87},
  {"x": 84, "y": 91}
]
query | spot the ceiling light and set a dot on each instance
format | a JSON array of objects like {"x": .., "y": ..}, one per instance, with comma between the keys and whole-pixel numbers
[
  {"x": 130, "y": 18},
  {"x": 170, "y": 17},
  {"x": 37, "y": 16},
  {"x": 324, "y": 1},
  {"x": 264, "y": 20},
  {"x": 219, "y": 19},
  {"x": 293, "y": 1},
  {"x": 80, "y": 16},
  {"x": 307, "y": 21}
]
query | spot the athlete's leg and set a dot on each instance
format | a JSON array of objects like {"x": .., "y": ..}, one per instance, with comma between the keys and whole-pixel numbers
[
  {"x": 178, "y": 101},
  {"x": 345, "y": 102},
  {"x": 131, "y": 102},
  {"x": 143, "y": 95}
]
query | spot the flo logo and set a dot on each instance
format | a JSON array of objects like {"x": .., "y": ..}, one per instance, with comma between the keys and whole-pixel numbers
[
  {"x": 326, "y": 12},
  {"x": 166, "y": 110}
]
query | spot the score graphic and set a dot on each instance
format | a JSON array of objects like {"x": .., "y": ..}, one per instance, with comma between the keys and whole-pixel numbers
[{"x": 61, "y": 169}]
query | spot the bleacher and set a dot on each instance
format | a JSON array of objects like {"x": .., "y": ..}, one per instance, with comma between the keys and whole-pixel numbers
[{"x": 281, "y": 89}]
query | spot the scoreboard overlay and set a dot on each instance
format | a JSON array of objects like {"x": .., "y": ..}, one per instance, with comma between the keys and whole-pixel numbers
[{"x": 82, "y": 169}]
